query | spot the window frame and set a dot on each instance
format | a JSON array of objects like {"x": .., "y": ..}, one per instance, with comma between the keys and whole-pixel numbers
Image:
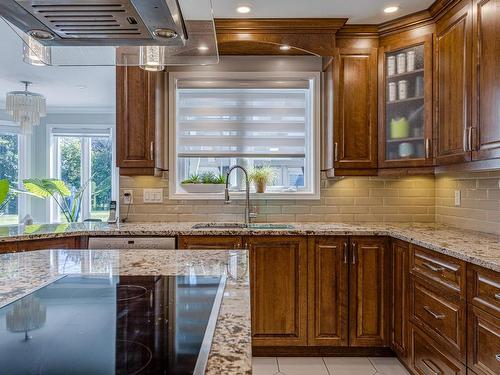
[
  {"x": 23, "y": 163},
  {"x": 314, "y": 155},
  {"x": 53, "y": 161}
]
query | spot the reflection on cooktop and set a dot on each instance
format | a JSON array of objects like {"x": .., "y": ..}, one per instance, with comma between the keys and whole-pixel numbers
[{"x": 108, "y": 325}]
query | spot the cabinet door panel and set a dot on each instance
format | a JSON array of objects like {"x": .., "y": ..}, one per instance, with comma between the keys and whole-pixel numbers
[
  {"x": 487, "y": 79},
  {"x": 399, "y": 298},
  {"x": 328, "y": 294},
  {"x": 278, "y": 274},
  {"x": 453, "y": 56},
  {"x": 355, "y": 108},
  {"x": 209, "y": 242},
  {"x": 368, "y": 292},
  {"x": 483, "y": 348},
  {"x": 52, "y": 243},
  {"x": 135, "y": 117}
]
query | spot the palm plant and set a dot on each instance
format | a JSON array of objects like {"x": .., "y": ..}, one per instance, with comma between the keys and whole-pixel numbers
[{"x": 69, "y": 201}]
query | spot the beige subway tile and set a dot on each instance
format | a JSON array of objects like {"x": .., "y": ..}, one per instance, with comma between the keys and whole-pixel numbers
[
  {"x": 272, "y": 218},
  {"x": 369, "y": 201},
  {"x": 487, "y": 183},
  {"x": 296, "y": 209},
  {"x": 339, "y": 201},
  {"x": 386, "y": 192},
  {"x": 477, "y": 194}
]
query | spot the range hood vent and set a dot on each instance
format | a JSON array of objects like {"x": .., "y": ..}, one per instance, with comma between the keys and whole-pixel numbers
[
  {"x": 81, "y": 32},
  {"x": 98, "y": 22}
]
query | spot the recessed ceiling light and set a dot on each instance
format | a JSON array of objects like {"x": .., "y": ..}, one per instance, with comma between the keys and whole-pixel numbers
[
  {"x": 285, "y": 47},
  {"x": 243, "y": 9},
  {"x": 202, "y": 48},
  {"x": 391, "y": 9}
]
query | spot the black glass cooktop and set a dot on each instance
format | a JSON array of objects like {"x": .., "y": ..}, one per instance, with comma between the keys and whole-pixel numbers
[{"x": 111, "y": 325}]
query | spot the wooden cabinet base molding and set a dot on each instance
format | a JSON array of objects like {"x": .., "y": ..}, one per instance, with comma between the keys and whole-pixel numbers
[{"x": 320, "y": 351}]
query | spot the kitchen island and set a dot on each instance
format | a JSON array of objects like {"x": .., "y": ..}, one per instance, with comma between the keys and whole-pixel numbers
[{"x": 230, "y": 350}]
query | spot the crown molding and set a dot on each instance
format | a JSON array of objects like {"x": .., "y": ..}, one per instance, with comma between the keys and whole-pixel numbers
[
  {"x": 358, "y": 31},
  {"x": 279, "y": 25}
]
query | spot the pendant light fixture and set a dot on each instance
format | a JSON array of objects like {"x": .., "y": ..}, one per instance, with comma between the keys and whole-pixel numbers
[
  {"x": 26, "y": 108},
  {"x": 152, "y": 58},
  {"x": 35, "y": 53}
]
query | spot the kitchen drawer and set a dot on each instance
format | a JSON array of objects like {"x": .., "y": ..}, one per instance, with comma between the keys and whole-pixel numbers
[
  {"x": 441, "y": 317},
  {"x": 484, "y": 289},
  {"x": 428, "y": 358},
  {"x": 483, "y": 342},
  {"x": 438, "y": 268}
]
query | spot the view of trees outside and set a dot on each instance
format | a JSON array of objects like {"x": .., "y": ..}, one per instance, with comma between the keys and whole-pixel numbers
[
  {"x": 9, "y": 169},
  {"x": 100, "y": 158}
]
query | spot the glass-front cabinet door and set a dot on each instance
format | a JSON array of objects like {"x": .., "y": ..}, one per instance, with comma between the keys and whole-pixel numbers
[{"x": 406, "y": 110}]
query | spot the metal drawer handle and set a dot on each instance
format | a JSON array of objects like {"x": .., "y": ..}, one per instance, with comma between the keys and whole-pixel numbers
[
  {"x": 497, "y": 296},
  {"x": 433, "y": 268},
  {"x": 346, "y": 250},
  {"x": 426, "y": 363},
  {"x": 497, "y": 357},
  {"x": 437, "y": 316},
  {"x": 354, "y": 253}
]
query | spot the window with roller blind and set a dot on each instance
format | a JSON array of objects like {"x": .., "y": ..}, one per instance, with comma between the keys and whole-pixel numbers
[{"x": 247, "y": 119}]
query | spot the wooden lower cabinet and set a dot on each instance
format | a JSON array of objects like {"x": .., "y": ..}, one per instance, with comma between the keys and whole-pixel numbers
[
  {"x": 429, "y": 359},
  {"x": 400, "y": 298},
  {"x": 328, "y": 291},
  {"x": 368, "y": 291},
  {"x": 8, "y": 247},
  {"x": 52, "y": 243},
  {"x": 278, "y": 279},
  {"x": 209, "y": 242},
  {"x": 483, "y": 348}
]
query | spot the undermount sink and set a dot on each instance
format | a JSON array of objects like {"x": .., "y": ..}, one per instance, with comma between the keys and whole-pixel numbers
[{"x": 262, "y": 226}]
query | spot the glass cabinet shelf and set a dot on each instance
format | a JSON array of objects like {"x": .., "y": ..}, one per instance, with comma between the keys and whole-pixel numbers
[{"x": 404, "y": 104}]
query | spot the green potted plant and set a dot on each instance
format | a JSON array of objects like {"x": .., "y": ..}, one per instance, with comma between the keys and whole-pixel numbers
[
  {"x": 68, "y": 200},
  {"x": 261, "y": 177},
  {"x": 204, "y": 183}
]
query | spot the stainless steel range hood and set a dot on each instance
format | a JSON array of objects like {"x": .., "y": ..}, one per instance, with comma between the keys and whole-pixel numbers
[{"x": 114, "y": 32}]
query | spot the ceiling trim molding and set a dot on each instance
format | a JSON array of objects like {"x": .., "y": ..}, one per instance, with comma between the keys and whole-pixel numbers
[
  {"x": 279, "y": 25},
  {"x": 409, "y": 21}
]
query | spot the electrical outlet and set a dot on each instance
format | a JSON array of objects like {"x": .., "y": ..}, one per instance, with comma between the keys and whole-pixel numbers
[
  {"x": 153, "y": 195},
  {"x": 458, "y": 198},
  {"x": 128, "y": 197}
]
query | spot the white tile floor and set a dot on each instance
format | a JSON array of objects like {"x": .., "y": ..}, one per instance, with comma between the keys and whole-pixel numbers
[{"x": 327, "y": 366}]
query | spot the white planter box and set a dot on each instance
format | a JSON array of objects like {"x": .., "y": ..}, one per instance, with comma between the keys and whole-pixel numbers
[{"x": 203, "y": 188}]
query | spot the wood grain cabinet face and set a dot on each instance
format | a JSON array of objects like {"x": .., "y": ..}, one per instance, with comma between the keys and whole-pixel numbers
[
  {"x": 429, "y": 359},
  {"x": 135, "y": 119},
  {"x": 355, "y": 108},
  {"x": 209, "y": 242},
  {"x": 328, "y": 291},
  {"x": 368, "y": 291},
  {"x": 486, "y": 109},
  {"x": 453, "y": 87},
  {"x": 53, "y": 243},
  {"x": 278, "y": 280},
  {"x": 483, "y": 342},
  {"x": 400, "y": 298},
  {"x": 483, "y": 289},
  {"x": 8, "y": 247}
]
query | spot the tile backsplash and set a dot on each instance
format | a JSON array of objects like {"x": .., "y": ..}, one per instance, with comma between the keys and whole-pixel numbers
[
  {"x": 480, "y": 201},
  {"x": 424, "y": 199},
  {"x": 349, "y": 199}
]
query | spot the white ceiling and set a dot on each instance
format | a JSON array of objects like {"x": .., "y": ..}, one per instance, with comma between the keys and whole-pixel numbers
[
  {"x": 358, "y": 11},
  {"x": 59, "y": 85}
]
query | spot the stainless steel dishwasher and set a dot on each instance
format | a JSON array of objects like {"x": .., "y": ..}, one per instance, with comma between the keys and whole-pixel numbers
[{"x": 155, "y": 243}]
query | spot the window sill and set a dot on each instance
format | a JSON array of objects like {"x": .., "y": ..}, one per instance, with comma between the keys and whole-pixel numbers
[{"x": 241, "y": 195}]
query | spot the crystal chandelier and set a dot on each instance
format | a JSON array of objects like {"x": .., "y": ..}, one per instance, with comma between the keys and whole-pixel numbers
[{"x": 26, "y": 108}]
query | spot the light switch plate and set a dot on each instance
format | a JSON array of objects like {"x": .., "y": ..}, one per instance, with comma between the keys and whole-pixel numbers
[
  {"x": 153, "y": 195},
  {"x": 458, "y": 198}
]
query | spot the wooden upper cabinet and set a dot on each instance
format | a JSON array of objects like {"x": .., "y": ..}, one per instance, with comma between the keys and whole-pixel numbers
[
  {"x": 405, "y": 102},
  {"x": 399, "y": 298},
  {"x": 355, "y": 109},
  {"x": 453, "y": 51},
  {"x": 368, "y": 291},
  {"x": 209, "y": 242},
  {"x": 135, "y": 119},
  {"x": 486, "y": 109},
  {"x": 328, "y": 291},
  {"x": 278, "y": 280}
]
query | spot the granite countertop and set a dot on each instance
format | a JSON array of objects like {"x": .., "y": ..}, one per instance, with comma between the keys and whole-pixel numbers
[
  {"x": 21, "y": 273},
  {"x": 479, "y": 248}
]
